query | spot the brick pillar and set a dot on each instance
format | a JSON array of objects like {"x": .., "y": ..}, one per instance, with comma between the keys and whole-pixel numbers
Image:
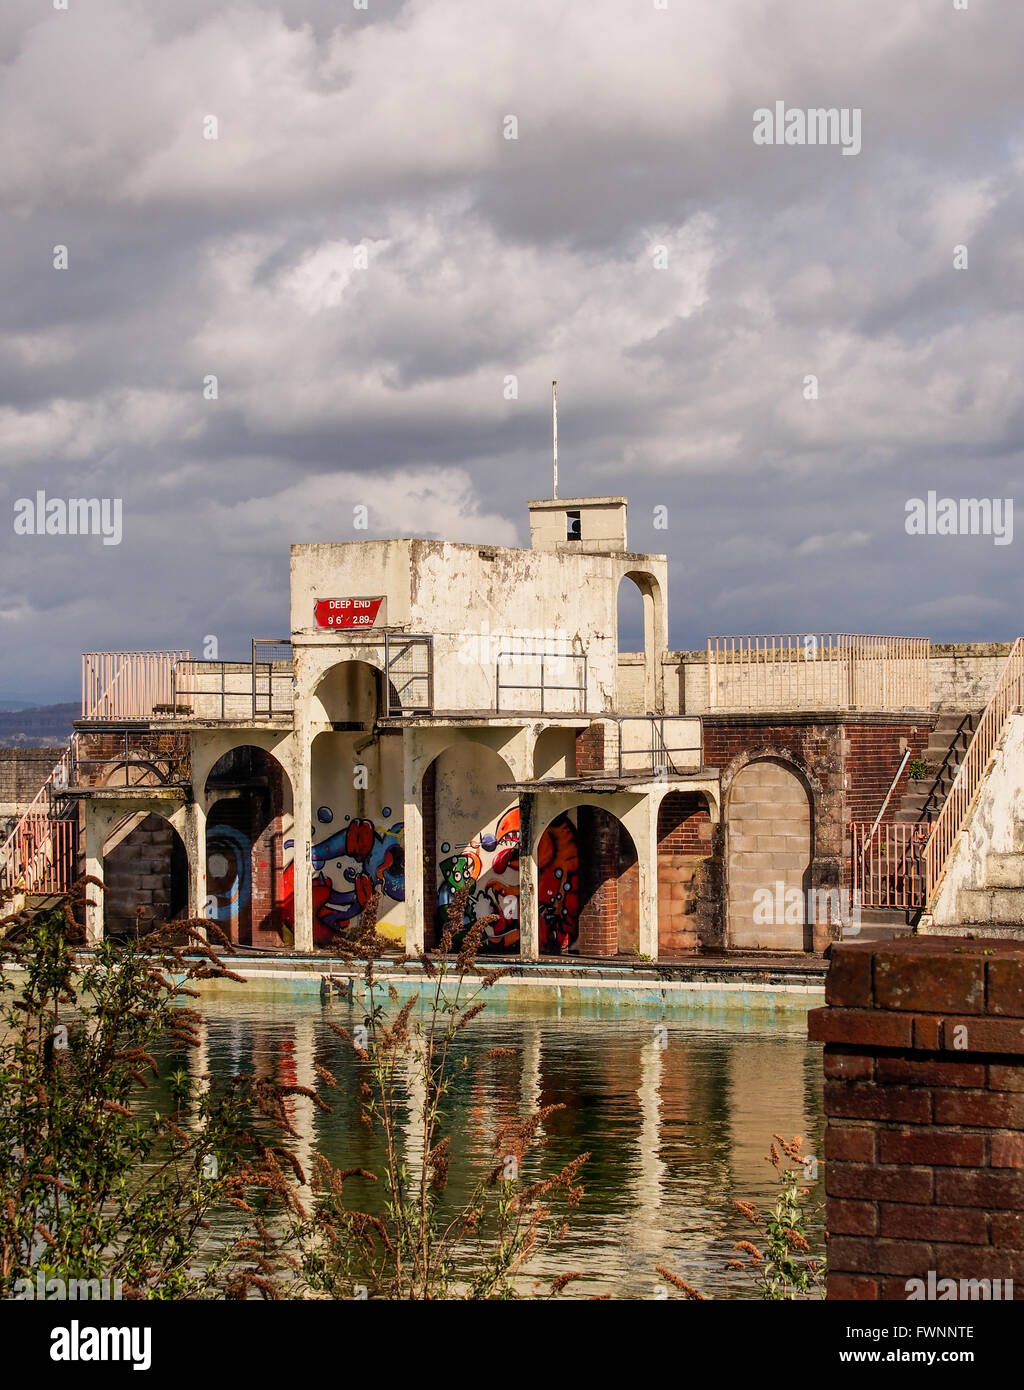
[
  {"x": 590, "y": 749},
  {"x": 598, "y": 838},
  {"x": 924, "y": 1094}
]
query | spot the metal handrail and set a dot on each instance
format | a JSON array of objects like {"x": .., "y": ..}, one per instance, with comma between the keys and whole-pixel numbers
[
  {"x": 659, "y": 746},
  {"x": 579, "y": 688}
]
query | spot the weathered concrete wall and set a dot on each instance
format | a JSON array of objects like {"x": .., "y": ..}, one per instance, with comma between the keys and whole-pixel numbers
[
  {"x": 924, "y": 1094},
  {"x": 477, "y": 602},
  {"x": 994, "y": 827}
]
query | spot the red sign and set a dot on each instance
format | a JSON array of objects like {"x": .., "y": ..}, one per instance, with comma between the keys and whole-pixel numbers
[{"x": 347, "y": 612}]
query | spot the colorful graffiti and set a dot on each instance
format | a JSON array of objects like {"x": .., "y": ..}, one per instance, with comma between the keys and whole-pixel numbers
[
  {"x": 494, "y": 891},
  {"x": 348, "y": 867}
]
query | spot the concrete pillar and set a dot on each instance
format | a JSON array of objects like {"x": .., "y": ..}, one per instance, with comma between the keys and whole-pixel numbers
[
  {"x": 412, "y": 833},
  {"x": 97, "y": 824},
  {"x": 646, "y": 840},
  {"x": 194, "y": 836},
  {"x": 529, "y": 922},
  {"x": 303, "y": 874}
]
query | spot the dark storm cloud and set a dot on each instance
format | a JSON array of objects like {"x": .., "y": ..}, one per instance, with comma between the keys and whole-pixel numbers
[{"x": 380, "y": 132}]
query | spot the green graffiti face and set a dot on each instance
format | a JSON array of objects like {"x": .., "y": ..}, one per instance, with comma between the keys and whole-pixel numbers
[{"x": 458, "y": 872}]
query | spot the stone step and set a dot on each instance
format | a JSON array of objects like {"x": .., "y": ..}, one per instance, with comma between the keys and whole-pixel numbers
[
  {"x": 999, "y": 931},
  {"x": 991, "y": 905},
  {"x": 1004, "y": 871}
]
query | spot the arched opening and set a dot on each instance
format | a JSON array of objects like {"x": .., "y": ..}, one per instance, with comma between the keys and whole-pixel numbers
[
  {"x": 250, "y": 848},
  {"x": 351, "y": 693},
  {"x": 471, "y": 842},
  {"x": 554, "y": 754},
  {"x": 145, "y": 876},
  {"x": 768, "y": 840},
  {"x": 685, "y": 894},
  {"x": 640, "y": 621},
  {"x": 630, "y": 617},
  {"x": 357, "y": 834},
  {"x": 588, "y": 900}
]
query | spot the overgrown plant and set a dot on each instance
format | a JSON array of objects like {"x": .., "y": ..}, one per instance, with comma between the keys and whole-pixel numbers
[
  {"x": 97, "y": 1182},
  {"x": 785, "y": 1268},
  {"x": 415, "y": 1248}
]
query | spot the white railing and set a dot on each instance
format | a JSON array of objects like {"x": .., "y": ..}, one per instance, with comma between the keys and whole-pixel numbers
[
  {"x": 1007, "y": 698},
  {"x": 817, "y": 670},
  {"x": 126, "y": 685}
]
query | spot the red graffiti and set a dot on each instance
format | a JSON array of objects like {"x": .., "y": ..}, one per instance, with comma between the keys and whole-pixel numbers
[{"x": 558, "y": 886}]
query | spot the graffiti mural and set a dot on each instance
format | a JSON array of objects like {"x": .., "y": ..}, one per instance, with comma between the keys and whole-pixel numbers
[
  {"x": 494, "y": 887},
  {"x": 348, "y": 867}
]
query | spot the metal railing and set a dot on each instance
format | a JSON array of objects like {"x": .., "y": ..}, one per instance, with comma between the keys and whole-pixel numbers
[
  {"x": 656, "y": 750},
  {"x": 261, "y": 688},
  {"x": 817, "y": 670},
  {"x": 41, "y": 848},
  {"x": 887, "y": 863},
  {"x": 1007, "y": 698},
  {"x": 409, "y": 673},
  {"x": 136, "y": 762},
  {"x": 41, "y": 855},
  {"x": 126, "y": 685},
  {"x": 541, "y": 665}
]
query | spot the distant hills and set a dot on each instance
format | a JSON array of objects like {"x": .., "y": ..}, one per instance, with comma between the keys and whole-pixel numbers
[{"x": 36, "y": 724}]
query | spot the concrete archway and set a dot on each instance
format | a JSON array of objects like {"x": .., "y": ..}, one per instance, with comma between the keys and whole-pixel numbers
[{"x": 768, "y": 817}]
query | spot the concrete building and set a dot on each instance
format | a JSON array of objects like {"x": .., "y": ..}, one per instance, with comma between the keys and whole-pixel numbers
[{"x": 454, "y": 715}]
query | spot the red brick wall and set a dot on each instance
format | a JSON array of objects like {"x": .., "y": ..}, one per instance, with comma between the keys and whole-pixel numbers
[
  {"x": 590, "y": 749},
  {"x": 597, "y": 834},
  {"x": 874, "y": 756},
  {"x": 684, "y": 846},
  {"x": 924, "y": 1094}
]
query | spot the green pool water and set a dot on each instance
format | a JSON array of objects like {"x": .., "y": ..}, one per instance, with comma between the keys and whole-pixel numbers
[{"x": 677, "y": 1115}]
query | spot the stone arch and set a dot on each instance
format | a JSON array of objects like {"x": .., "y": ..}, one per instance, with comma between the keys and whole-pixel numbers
[
  {"x": 250, "y": 841},
  {"x": 769, "y": 849}
]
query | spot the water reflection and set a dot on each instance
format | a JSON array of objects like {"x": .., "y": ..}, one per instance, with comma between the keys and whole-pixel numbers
[{"x": 677, "y": 1118}]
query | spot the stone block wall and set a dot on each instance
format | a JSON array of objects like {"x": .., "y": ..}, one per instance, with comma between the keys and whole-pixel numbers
[{"x": 924, "y": 1097}]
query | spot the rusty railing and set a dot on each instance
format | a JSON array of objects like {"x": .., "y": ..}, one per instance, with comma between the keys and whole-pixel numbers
[
  {"x": 1007, "y": 698},
  {"x": 887, "y": 863}
]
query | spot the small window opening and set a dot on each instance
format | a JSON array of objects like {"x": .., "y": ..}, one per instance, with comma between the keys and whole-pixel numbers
[{"x": 572, "y": 527}]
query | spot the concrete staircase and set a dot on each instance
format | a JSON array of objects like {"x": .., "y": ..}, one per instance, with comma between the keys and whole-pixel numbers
[{"x": 944, "y": 752}]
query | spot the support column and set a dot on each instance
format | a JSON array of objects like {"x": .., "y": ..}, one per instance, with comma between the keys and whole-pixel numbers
[
  {"x": 412, "y": 835},
  {"x": 647, "y": 863},
  {"x": 97, "y": 824},
  {"x": 303, "y": 871},
  {"x": 529, "y": 923},
  {"x": 195, "y": 847}
]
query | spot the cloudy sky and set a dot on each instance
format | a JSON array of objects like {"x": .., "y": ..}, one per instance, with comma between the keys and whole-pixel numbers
[{"x": 362, "y": 259}]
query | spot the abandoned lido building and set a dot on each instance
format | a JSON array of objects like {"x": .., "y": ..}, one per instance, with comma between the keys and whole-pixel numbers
[{"x": 455, "y": 715}]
